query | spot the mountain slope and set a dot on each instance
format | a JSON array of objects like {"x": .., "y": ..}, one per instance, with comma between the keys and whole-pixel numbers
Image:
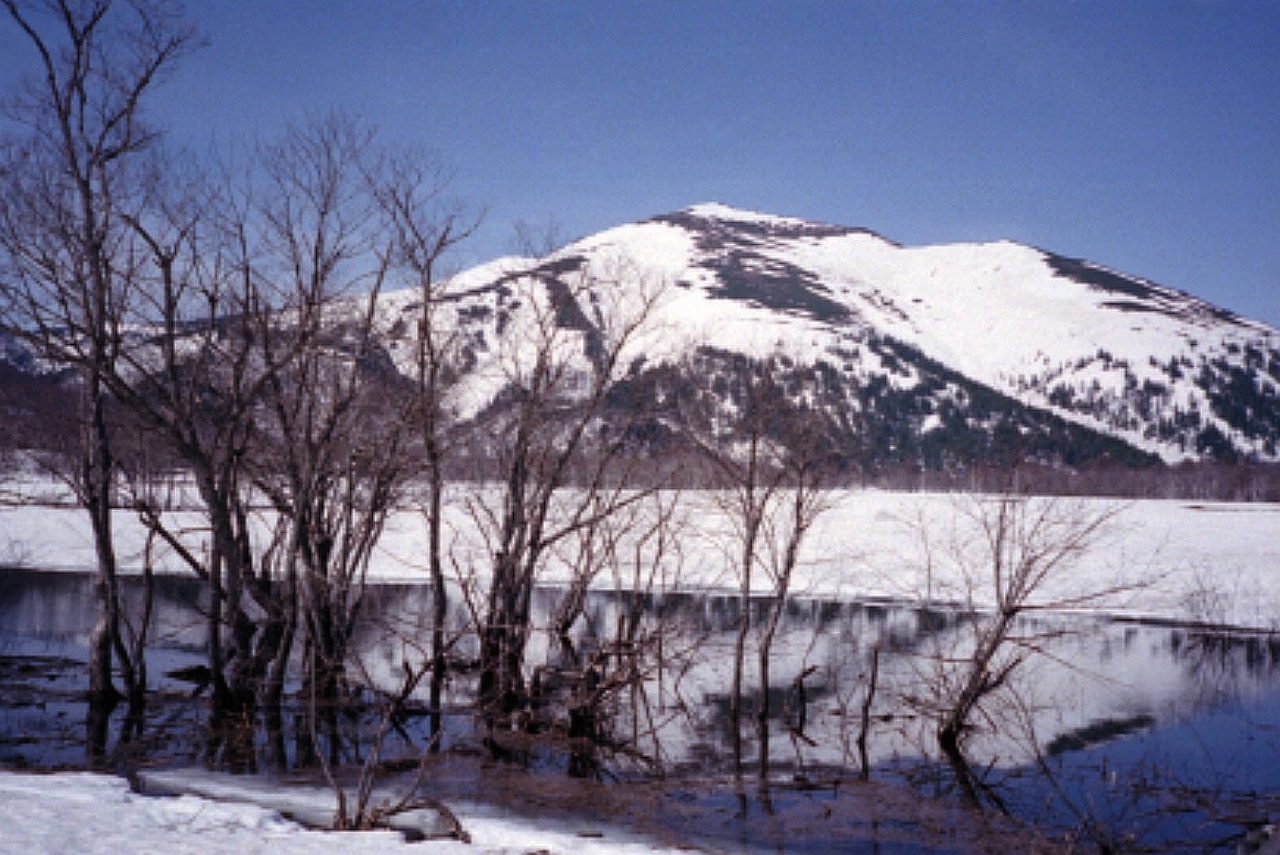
[{"x": 943, "y": 350}]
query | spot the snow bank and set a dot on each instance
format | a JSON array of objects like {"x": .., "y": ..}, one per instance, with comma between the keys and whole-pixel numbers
[{"x": 91, "y": 814}]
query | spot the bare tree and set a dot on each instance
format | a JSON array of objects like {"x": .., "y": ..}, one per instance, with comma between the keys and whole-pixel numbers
[
  {"x": 610, "y": 648},
  {"x": 554, "y": 451},
  {"x": 262, "y": 365},
  {"x": 424, "y": 226},
  {"x": 257, "y": 364},
  {"x": 329, "y": 458},
  {"x": 749, "y": 456},
  {"x": 784, "y": 529},
  {"x": 1014, "y": 554},
  {"x": 654, "y": 559},
  {"x": 67, "y": 247},
  {"x": 202, "y": 340}
]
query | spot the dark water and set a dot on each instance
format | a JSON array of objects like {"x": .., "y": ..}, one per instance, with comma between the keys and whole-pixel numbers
[{"x": 1135, "y": 736}]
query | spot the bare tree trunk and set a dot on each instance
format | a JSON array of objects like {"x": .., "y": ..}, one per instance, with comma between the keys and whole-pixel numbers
[
  {"x": 864, "y": 770},
  {"x": 439, "y": 596},
  {"x": 273, "y": 691},
  {"x": 233, "y": 700},
  {"x": 981, "y": 679},
  {"x": 765, "y": 657},
  {"x": 740, "y": 642},
  {"x": 98, "y": 484}
]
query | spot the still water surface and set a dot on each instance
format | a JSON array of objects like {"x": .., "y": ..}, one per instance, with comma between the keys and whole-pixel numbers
[{"x": 1165, "y": 736}]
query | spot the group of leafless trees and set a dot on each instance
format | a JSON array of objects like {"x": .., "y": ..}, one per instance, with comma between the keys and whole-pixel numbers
[
  {"x": 225, "y": 312},
  {"x": 223, "y": 322}
]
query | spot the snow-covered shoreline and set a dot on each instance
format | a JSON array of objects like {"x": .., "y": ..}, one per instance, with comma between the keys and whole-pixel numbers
[
  {"x": 89, "y": 813},
  {"x": 1170, "y": 560}
]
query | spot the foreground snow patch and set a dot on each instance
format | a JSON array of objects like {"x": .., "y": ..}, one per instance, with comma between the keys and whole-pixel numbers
[{"x": 91, "y": 814}]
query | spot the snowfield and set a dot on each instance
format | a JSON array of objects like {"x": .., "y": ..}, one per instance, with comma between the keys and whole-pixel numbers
[{"x": 1204, "y": 562}]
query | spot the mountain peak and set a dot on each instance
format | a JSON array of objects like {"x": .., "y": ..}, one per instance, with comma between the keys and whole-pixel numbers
[
  {"x": 727, "y": 213},
  {"x": 715, "y": 222}
]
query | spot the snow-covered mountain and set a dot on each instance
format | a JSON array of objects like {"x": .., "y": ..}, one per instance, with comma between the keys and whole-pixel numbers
[
  {"x": 928, "y": 354},
  {"x": 933, "y": 356}
]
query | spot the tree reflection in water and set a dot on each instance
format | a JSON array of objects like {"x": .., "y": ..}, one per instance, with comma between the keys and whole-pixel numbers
[{"x": 1127, "y": 695}]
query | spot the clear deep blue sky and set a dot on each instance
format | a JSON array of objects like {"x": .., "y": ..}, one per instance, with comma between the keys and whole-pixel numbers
[{"x": 1141, "y": 135}]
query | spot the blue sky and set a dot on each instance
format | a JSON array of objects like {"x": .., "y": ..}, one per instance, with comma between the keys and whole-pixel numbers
[{"x": 1141, "y": 135}]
